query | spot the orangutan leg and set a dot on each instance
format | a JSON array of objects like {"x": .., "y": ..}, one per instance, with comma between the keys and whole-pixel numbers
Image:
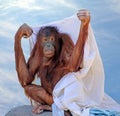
[{"x": 42, "y": 98}]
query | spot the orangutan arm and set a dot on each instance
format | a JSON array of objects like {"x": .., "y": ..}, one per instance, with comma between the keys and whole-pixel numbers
[
  {"x": 23, "y": 71},
  {"x": 78, "y": 52}
]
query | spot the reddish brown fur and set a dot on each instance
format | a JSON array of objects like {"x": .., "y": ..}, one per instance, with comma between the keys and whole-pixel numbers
[{"x": 52, "y": 73}]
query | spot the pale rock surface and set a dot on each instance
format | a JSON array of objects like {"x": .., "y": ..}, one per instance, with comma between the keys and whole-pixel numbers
[{"x": 26, "y": 111}]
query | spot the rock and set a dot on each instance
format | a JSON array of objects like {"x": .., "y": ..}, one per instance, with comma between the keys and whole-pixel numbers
[{"x": 26, "y": 111}]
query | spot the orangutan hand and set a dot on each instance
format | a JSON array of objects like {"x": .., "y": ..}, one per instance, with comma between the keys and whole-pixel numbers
[
  {"x": 84, "y": 16},
  {"x": 24, "y": 31}
]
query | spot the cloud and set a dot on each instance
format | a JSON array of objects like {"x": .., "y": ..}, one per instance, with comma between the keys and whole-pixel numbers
[
  {"x": 2, "y": 14},
  {"x": 115, "y": 5},
  {"x": 58, "y": 4},
  {"x": 23, "y": 4},
  {"x": 6, "y": 57},
  {"x": 7, "y": 28},
  {"x": 8, "y": 75},
  {"x": 106, "y": 19},
  {"x": 5, "y": 34},
  {"x": 104, "y": 34},
  {"x": 8, "y": 25},
  {"x": 67, "y": 4}
]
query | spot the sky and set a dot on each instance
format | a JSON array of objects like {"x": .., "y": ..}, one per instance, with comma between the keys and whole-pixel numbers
[{"x": 105, "y": 21}]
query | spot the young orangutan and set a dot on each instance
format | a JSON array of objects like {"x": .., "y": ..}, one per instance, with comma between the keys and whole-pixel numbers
[{"x": 53, "y": 56}]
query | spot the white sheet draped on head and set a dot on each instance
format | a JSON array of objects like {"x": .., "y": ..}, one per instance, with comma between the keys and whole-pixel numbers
[{"x": 82, "y": 90}]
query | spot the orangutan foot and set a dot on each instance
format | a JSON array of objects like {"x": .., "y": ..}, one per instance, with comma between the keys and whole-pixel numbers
[{"x": 39, "y": 108}]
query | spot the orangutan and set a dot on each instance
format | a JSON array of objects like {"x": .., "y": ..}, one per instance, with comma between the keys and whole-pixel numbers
[{"x": 53, "y": 56}]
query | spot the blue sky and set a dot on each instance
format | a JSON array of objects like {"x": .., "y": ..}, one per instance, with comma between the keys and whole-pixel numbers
[{"x": 105, "y": 20}]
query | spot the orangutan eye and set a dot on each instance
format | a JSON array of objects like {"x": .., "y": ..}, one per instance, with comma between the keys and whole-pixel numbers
[
  {"x": 44, "y": 39},
  {"x": 52, "y": 39}
]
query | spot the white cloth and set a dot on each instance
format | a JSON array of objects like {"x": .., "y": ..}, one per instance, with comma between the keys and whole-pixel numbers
[{"x": 79, "y": 91}]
